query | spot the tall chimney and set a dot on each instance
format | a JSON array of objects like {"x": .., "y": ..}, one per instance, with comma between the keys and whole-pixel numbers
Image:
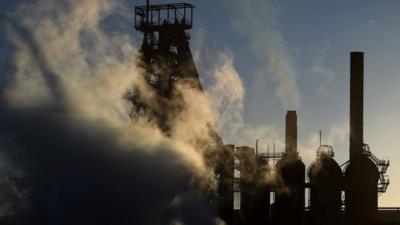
[
  {"x": 356, "y": 103},
  {"x": 291, "y": 133}
]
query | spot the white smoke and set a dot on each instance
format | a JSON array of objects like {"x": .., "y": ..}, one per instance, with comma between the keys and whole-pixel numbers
[
  {"x": 227, "y": 94},
  {"x": 258, "y": 20},
  {"x": 70, "y": 78},
  {"x": 321, "y": 72}
]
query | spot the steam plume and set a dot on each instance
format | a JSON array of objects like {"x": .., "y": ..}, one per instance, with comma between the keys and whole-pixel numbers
[
  {"x": 66, "y": 130},
  {"x": 257, "y": 20}
]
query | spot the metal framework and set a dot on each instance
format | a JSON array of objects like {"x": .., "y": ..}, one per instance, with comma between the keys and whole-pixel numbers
[
  {"x": 325, "y": 150},
  {"x": 271, "y": 156},
  {"x": 153, "y": 17},
  {"x": 166, "y": 59},
  {"x": 381, "y": 164}
]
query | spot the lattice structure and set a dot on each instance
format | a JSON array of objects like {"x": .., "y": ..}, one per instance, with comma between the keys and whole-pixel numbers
[
  {"x": 325, "y": 150},
  {"x": 153, "y": 17},
  {"x": 166, "y": 59},
  {"x": 381, "y": 164}
]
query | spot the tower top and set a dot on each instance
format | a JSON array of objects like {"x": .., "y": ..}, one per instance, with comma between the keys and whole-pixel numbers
[{"x": 151, "y": 18}]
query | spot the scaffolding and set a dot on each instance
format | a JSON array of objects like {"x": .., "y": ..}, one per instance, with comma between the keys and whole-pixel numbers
[{"x": 382, "y": 166}]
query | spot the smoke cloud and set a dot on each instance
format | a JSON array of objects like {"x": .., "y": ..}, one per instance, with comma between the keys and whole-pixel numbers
[
  {"x": 321, "y": 72},
  {"x": 257, "y": 19},
  {"x": 227, "y": 94},
  {"x": 66, "y": 136}
]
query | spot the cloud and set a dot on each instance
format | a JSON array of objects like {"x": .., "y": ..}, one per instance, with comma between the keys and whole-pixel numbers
[
  {"x": 227, "y": 95},
  {"x": 258, "y": 21},
  {"x": 372, "y": 21},
  {"x": 66, "y": 127},
  {"x": 321, "y": 72}
]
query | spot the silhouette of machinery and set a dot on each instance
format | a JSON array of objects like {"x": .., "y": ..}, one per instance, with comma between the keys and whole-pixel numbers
[
  {"x": 358, "y": 182},
  {"x": 259, "y": 188},
  {"x": 166, "y": 60},
  {"x": 168, "y": 66}
]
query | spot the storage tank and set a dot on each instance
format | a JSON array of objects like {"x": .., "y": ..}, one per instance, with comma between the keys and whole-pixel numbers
[
  {"x": 326, "y": 178},
  {"x": 289, "y": 194}
]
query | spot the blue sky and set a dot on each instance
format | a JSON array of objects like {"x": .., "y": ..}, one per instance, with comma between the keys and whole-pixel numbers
[{"x": 316, "y": 38}]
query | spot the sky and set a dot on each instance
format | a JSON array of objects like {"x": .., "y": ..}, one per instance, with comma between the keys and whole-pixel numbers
[
  {"x": 317, "y": 38},
  {"x": 294, "y": 55}
]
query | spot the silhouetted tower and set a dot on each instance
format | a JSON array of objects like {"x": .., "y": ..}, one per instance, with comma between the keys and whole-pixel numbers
[
  {"x": 166, "y": 60},
  {"x": 326, "y": 179},
  {"x": 361, "y": 174},
  {"x": 169, "y": 70},
  {"x": 289, "y": 195}
]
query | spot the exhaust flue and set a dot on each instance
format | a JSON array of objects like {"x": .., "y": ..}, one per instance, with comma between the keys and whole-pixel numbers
[
  {"x": 291, "y": 133},
  {"x": 356, "y": 103}
]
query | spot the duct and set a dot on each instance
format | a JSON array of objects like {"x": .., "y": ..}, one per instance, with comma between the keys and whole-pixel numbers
[
  {"x": 291, "y": 133},
  {"x": 356, "y": 102}
]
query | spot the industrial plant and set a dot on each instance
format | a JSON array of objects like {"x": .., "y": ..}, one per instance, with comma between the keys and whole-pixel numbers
[{"x": 265, "y": 187}]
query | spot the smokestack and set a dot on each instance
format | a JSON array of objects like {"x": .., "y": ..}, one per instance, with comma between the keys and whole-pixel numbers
[
  {"x": 356, "y": 102},
  {"x": 291, "y": 133}
]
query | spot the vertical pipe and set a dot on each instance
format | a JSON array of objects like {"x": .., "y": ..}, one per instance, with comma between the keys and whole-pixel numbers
[
  {"x": 291, "y": 133},
  {"x": 320, "y": 138},
  {"x": 257, "y": 147},
  {"x": 147, "y": 11},
  {"x": 191, "y": 16},
  {"x": 356, "y": 103},
  {"x": 159, "y": 17},
  {"x": 273, "y": 153}
]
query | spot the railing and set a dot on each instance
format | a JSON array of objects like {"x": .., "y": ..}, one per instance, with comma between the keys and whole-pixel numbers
[
  {"x": 381, "y": 164},
  {"x": 154, "y": 17},
  {"x": 325, "y": 150}
]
